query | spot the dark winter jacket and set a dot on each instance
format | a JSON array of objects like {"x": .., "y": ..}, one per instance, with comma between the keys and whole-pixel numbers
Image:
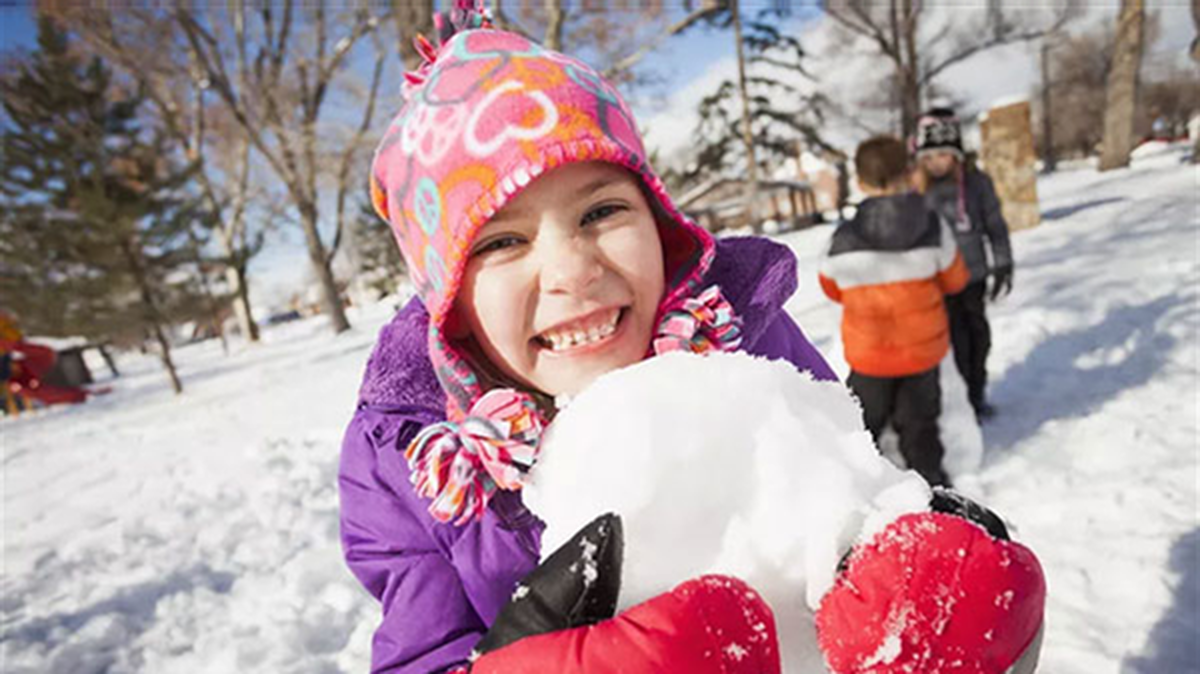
[
  {"x": 980, "y": 218},
  {"x": 890, "y": 267},
  {"x": 441, "y": 586}
]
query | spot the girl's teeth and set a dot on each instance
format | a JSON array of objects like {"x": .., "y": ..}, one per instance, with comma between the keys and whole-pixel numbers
[{"x": 562, "y": 341}]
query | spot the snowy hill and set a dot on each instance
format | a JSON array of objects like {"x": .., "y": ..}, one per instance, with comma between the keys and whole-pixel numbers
[{"x": 148, "y": 533}]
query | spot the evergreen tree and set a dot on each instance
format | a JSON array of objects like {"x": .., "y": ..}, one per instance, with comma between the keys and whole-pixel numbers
[
  {"x": 781, "y": 112},
  {"x": 102, "y": 235}
]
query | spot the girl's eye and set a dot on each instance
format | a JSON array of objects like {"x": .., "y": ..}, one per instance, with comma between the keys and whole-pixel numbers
[
  {"x": 601, "y": 212},
  {"x": 498, "y": 243}
]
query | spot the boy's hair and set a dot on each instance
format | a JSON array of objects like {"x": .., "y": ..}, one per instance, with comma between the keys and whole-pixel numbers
[{"x": 881, "y": 161}]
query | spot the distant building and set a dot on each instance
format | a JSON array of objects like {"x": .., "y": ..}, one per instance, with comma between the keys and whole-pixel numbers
[
  {"x": 798, "y": 193},
  {"x": 720, "y": 203}
]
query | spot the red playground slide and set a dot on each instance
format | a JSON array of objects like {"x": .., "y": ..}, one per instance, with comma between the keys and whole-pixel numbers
[
  {"x": 23, "y": 369},
  {"x": 28, "y": 365}
]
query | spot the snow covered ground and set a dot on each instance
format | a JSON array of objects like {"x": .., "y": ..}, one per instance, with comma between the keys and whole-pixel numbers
[{"x": 148, "y": 533}]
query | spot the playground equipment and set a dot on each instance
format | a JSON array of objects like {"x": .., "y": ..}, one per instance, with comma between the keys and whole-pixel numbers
[{"x": 24, "y": 368}]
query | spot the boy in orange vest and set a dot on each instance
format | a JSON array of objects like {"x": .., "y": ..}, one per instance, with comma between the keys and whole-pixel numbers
[{"x": 890, "y": 267}]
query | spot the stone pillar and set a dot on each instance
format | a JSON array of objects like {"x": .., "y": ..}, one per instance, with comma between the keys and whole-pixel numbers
[{"x": 1008, "y": 157}]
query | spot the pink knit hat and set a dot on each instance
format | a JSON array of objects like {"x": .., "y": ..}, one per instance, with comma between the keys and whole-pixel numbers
[{"x": 488, "y": 113}]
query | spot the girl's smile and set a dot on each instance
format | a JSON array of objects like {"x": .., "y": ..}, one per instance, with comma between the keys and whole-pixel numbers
[
  {"x": 591, "y": 331},
  {"x": 563, "y": 284}
]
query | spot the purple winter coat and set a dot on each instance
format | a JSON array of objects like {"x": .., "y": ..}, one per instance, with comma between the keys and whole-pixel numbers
[{"x": 441, "y": 585}]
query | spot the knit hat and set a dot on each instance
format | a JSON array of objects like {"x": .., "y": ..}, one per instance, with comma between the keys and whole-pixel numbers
[
  {"x": 488, "y": 113},
  {"x": 939, "y": 130}
]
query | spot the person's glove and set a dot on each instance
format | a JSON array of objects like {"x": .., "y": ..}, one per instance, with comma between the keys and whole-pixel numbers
[
  {"x": 935, "y": 591},
  {"x": 1002, "y": 280},
  {"x": 560, "y": 620}
]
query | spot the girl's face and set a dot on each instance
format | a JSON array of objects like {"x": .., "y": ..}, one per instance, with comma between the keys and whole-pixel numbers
[
  {"x": 938, "y": 163},
  {"x": 563, "y": 284}
]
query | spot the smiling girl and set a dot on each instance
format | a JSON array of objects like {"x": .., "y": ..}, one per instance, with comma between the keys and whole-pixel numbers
[
  {"x": 544, "y": 255},
  {"x": 545, "y": 252}
]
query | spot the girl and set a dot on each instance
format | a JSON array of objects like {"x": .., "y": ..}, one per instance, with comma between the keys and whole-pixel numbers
[
  {"x": 965, "y": 198},
  {"x": 545, "y": 252}
]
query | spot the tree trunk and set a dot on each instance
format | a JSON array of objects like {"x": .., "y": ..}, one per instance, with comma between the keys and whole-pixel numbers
[
  {"x": 235, "y": 276},
  {"x": 1196, "y": 58},
  {"x": 910, "y": 87},
  {"x": 317, "y": 255},
  {"x": 1049, "y": 157},
  {"x": 747, "y": 130},
  {"x": 151, "y": 313},
  {"x": 108, "y": 360},
  {"x": 910, "y": 103},
  {"x": 214, "y": 309},
  {"x": 555, "y": 18},
  {"x": 843, "y": 187},
  {"x": 1121, "y": 88},
  {"x": 164, "y": 354}
]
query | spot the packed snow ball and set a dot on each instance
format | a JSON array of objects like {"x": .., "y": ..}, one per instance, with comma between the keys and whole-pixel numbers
[{"x": 722, "y": 463}]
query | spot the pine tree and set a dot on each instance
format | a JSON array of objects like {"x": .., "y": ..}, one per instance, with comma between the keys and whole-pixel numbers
[
  {"x": 102, "y": 235},
  {"x": 781, "y": 112}
]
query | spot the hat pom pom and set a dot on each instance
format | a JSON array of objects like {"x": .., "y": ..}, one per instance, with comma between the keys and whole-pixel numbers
[{"x": 465, "y": 15}]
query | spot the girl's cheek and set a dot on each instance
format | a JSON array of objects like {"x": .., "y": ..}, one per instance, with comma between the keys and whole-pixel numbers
[{"x": 503, "y": 308}]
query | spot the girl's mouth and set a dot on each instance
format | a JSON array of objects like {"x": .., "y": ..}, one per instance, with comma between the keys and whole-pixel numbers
[{"x": 591, "y": 330}]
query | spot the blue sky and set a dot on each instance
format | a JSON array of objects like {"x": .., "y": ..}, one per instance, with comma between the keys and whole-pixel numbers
[{"x": 16, "y": 25}]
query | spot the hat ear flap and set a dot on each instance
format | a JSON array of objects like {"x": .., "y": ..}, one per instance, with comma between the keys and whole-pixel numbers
[
  {"x": 379, "y": 198},
  {"x": 455, "y": 327}
]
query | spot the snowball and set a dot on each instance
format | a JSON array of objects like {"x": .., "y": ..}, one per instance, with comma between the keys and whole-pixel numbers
[{"x": 724, "y": 463}]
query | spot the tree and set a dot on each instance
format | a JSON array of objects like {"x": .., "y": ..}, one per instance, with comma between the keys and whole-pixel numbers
[
  {"x": 1121, "y": 89},
  {"x": 779, "y": 110},
  {"x": 1049, "y": 155},
  {"x": 275, "y": 75},
  {"x": 1079, "y": 65},
  {"x": 917, "y": 56},
  {"x": 612, "y": 41},
  {"x": 100, "y": 229},
  {"x": 410, "y": 19},
  {"x": 747, "y": 122},
  {"x": 1195, "y": 53},
  {"x": 146, "y": 47}
]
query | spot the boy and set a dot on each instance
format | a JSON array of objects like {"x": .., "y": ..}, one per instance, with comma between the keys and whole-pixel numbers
[
  {"x": 965, "y": 199},
  {"x": 890, "y": 267}
]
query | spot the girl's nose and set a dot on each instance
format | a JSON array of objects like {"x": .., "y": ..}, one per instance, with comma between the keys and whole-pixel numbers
[{"x": 570, "y": 266}]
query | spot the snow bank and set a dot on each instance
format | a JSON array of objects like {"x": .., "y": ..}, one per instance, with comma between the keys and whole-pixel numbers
[{"x": 725, "y": 463}]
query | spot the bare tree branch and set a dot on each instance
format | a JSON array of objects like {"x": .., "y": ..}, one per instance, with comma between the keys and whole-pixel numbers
[
  {"x": 970, "y": 50},
  {"x": 352, "y": 147},
  {"x": 554, "y": 26},
  {"x": 505, "y": 22},
  {"x": 705, "y": 11},
  {"x": 863, "y": 24}
]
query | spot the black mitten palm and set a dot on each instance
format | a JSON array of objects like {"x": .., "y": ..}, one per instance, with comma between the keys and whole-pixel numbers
[
  {"x": 577, "y": 585},
  {"x": 561, "y": 620}
]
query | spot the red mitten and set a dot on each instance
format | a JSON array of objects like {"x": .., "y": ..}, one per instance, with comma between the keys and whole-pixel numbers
[
  {"x": 934, "y": 593},
  {"x": 711, "y": 624}
]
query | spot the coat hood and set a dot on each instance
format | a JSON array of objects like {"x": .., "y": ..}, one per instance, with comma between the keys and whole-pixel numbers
[{"x": 893, "y": 223}]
